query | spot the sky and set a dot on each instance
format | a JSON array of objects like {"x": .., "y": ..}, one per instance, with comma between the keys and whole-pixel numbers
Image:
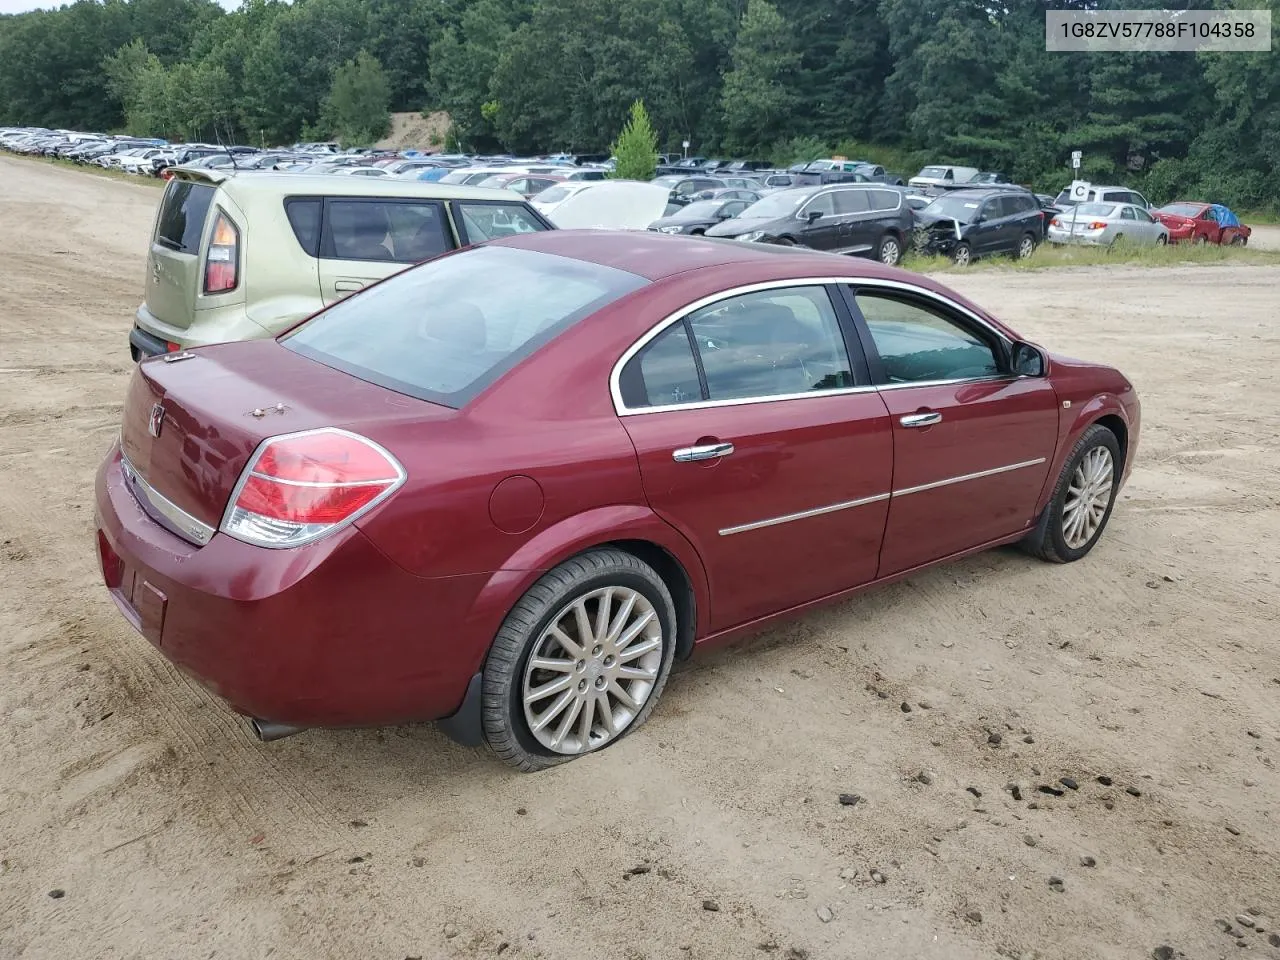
[{"x": 18, "y": 6}]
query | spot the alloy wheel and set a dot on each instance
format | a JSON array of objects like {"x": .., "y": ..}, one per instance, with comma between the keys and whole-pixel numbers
[
  {"x": 592, "y": 670},
  {"x": 962, "y": 256},
  {"x": 1088, "y": 497},
  {"x": 1026, "y": 248},
  {"x": 890, "y": 252}
]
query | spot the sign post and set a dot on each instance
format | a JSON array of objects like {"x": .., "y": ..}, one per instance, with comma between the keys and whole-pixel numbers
[
  {"x": 684, "y": 146},
  {"x": 1076, "y": 156},
  {"x": 1079, "y": 194}
]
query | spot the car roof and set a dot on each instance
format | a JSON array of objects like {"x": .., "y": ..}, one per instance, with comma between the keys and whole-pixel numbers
[
  {"x": 657, "y": 256},
  {"x": 281, "y": 184}
]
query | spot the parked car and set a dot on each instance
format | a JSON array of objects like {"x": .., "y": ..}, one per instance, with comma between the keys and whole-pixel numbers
[
  {"x": 945, "y": 177},
  {"x": 686, "y": 189},
  {"x": 612, "y": 205},
  {"x": 1097, "y": 194},
  {"x": 1104, "y": 224},
  {"x": 843, "y": 218},
  {"x": 751, "y": 196},
  {"x": 454, "y": 498},
  {"x": 967, "y": 224},
  {"x": 988, "y": 179},
  {"x": 696, "y": 217},
  {"x": 1194, "y": 222},
  {"x": 525, "y": 184},
  {"x": 240, "y": 256}
]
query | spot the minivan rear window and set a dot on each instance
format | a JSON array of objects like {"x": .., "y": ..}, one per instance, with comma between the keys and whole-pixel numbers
[
  {"x": 182, "y": 215},
  {"x": 448, "y": 329}
]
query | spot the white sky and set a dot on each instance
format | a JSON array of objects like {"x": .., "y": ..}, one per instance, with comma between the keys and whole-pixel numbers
[{"x": 18, "y": 6}]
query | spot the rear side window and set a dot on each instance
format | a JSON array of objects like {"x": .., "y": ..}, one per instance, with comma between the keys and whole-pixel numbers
[
  {"x": 483, "y": 220},
  {"x": 304, "y": 218},
  {"x": 448, "y": 329},
  {"x": 182, "y": 214},
  {"x": 852, "y": 201},
  {"x": 397, "y": 231},
  {"x": 885, "y": 200}
]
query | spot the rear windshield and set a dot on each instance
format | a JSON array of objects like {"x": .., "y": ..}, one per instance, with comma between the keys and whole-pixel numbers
[
  {"x": 182, "y": 214},
  {"x": 1189, "y": 210},
  {"x": 448, "y": 329},
  {"x": 1095, "y": 209}
]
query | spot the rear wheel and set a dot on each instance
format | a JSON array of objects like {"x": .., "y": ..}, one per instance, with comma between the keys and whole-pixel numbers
[
  {"x": 962, "y": 255},
  {"x": 1201, "y": 240},
  {"x": 579, "y": 662},
  {"x": 890, "y": 250},
  {"x": 1162, "y": 240},
  {"x": 1080, "y": 507},
  {"x": 1026, "y": 246}
]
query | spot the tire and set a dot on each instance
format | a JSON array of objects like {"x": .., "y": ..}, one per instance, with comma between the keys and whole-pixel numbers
[
  {"x": 962, "y": 255},
  {"x": 1051, "y": 540},
  {"x": 587, "y": 578},
  {"x": 1026, "y": 247},
  {"x": 890, "y": 250},
  {"x": 1162, "y": 240},
  {"x": 1202, "y": 240},
  {"x": 1117, "y": 239}
]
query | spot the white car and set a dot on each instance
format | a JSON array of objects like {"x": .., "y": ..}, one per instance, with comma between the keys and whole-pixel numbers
[
  {"x": 1103, "y": 224},
  {"x": 550, "y": 198}
]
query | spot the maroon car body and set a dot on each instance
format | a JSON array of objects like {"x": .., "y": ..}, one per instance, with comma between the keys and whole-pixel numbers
[
  {"x": 389, "y": 619},
  {"x": 1198, "y": 222}
]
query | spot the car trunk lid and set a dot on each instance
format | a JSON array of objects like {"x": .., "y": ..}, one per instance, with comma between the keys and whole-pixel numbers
[
  {"x": 173, "y": 262},
  {"x": 192, "y": 420}
]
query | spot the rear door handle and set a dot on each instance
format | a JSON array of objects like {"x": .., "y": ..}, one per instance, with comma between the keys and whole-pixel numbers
[
  {"x": 921, "y": 419},
  {"x": 347, "y": 286},
  {"x": 708, "y": 451}
]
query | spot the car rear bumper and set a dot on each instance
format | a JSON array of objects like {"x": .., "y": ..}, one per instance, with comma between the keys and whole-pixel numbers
[
  {"x": 1062, "y": 237},
  {"x": 329, "y": 634},
  {"x": 143, "y": 344}
]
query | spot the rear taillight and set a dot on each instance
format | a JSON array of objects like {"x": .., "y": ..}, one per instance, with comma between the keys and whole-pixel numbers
[
  {"x": 222, "y": 265},
  {"x": 171, "y": 347},
  {"x": 1097, "y": 225},
  {"x": 1055, "y": 222},
  {"x": 112, "y": 565},
  {"x": 302, "y": 486}
]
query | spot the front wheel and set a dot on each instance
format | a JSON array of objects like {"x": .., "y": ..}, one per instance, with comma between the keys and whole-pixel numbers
[
  {"x": 1162, "y": 240},
  {"x": 579, "y": 662},
  {"x": 1080, "y": 507},
  {"x": 890, "y": 250},
  {"x": 962, "y": 255}
]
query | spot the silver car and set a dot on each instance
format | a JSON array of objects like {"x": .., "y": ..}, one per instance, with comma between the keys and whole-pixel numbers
[{"x": 1102, "y": 224}]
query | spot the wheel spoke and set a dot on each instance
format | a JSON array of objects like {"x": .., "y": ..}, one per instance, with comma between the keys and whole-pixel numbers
[
  {"x": 570, "y": 646},
  {"x": 639, "y": 650},
  {"x": 569, "y": 717},
  {"x": 583, "y": 621},
  {"x": 635, "y": 629},
  {"x": 622, "y": 696},
  {"x": 554, "y": 711},
  {"x": 636, "y": 673},
  {"x": 606, "y": 711},
  {"x": 547, "y": 689},
  {"x": 548, "y": 663},
  {"x": 587, "y": 721},
  {"x": 602, "y": 615},
  {"x": 624, "y": 614}
]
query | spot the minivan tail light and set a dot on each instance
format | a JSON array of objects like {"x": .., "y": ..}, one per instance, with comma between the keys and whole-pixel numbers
[
  {"x": 300, "y": 487},
  {"x": 222, "y": 263}
]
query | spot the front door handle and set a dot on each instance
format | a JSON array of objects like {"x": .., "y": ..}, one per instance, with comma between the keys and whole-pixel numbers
[
  {"x": 921, "y": 419},
  {"x": 707, "y": 451}
]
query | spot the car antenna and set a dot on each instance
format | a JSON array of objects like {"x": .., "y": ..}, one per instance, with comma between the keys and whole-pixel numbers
[{"x": 230, "y": 152}]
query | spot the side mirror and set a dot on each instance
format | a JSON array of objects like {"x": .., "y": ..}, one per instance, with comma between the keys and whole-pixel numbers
[
  {"x": 723, "y": 215},
  {"x": 1028, "y": 361},
  {"x": 982, "y": 218},
  {"x": 814, "y": 215}
]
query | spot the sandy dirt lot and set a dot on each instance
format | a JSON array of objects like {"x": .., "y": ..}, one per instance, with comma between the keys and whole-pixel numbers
[{"x": 138, "y": 819}]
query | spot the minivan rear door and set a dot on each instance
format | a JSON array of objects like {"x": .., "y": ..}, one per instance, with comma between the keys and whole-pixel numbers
[
  {"x": 366, "y": 239},
  {"x": 173, "y": 265}
]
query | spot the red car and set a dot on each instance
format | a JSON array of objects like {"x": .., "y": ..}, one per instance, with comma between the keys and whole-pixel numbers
[
  {"x": 1202, "y": 223},
  {"x": 507, "y": 487}
]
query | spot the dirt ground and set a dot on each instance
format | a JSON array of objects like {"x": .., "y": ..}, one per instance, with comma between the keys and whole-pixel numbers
[
  {"x": 414, "y": 131},
  {"x": 172, "y": 834}
]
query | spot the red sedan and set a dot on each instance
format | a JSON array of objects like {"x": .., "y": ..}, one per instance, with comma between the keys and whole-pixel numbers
[
  {"x": 1202, "y": 223},
  {"x": 508, "y": 487}
]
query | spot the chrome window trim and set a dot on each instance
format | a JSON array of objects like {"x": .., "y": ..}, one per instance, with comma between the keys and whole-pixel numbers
[
  {"x": 945, "y": 303},
  {"x": 180, "y": 522},
  {"x": 969, "y": 476}
]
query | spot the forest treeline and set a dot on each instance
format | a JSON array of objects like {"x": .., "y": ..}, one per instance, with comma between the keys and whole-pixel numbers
[{"x": 911, "y": 80}]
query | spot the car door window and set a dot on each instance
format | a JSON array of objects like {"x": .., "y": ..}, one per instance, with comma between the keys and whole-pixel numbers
[
  {"x": 885, "y": 200},
  {"x": 664, "y": 373},
  {"x": 919, "y": 343},
  {"x": 852, "y": 201},
  {"x": 823, "y": 202},
  {"x": 1126, "y": 213},
  {"x": 733, "y": 209},
  {"x": 483, "y": 220},
  {"x": 771, "y": 343},
  {"x": 396, "y": 231}
]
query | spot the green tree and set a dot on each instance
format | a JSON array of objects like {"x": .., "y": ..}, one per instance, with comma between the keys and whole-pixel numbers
[
  {"x": 356, "y": 110},
  {"x": 636, "y": 148},
  {"x": 758, "y": 100}
]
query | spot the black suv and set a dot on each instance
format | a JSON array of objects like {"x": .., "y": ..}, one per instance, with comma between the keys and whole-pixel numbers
[
  {"x": 967, "y": 224},
  {"x": 842, "y": 218}
]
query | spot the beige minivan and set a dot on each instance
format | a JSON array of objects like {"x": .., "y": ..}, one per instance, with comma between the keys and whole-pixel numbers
[{"x": 243, "y": 255}]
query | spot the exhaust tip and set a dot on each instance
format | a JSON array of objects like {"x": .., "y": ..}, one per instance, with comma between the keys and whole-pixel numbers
[{"x": 267, "y": 731}]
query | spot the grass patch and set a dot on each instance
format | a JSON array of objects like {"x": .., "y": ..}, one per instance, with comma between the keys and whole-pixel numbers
[
  {"x": 1048, "y": 257},
  {"x": 88, "y": 168},
  {"x": 1265, "y": 217}
]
